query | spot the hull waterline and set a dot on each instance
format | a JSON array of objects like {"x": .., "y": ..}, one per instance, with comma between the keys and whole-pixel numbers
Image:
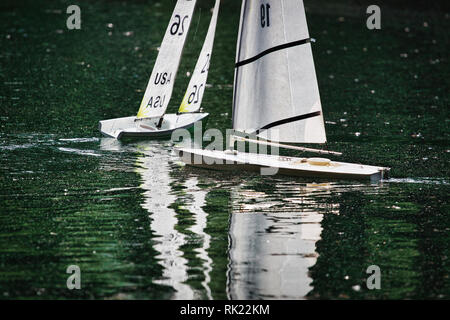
[
  {"x": 127, "y": 127},
  {"x": 289, "y": 166}
]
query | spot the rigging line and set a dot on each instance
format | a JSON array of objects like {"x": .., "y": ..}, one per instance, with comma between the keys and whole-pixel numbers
[
  {"x": 288, "y": 146},
  {"x": 288, "y": 120},
  {"x": 273, "y": 49},
  {"x": 198, "y": 22},
  {"x": 238, "y": 55}
]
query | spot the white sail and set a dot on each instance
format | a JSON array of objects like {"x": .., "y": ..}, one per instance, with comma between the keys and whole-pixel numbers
[
  {"x": 275, "y": 80},
  {"x": 160, "y": 85},
  {"x": 194, "y": 94}
]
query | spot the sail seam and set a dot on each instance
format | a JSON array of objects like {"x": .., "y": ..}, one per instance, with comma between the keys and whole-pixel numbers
[
  {"x": 288, "y": 120},
  {"x": 273, "y": 49},
  {"x": 287, "y": 61}
]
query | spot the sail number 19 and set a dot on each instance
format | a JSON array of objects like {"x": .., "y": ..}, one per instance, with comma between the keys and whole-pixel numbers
[{"x": 265, "y": 15}]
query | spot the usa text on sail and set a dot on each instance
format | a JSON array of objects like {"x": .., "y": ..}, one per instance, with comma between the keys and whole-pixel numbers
[{"x": 160, "y": 85}]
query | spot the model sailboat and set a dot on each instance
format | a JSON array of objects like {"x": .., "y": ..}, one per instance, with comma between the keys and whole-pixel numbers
[
  {"x": 276, "y": 97},
  {"x": 151, "y": 120}
]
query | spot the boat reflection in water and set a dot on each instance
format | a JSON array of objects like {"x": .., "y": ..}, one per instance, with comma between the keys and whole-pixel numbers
[
  {"x": 273, "y": 235},
  {"x": 274, "y": 225},
  {"x": 273, "y": 243},
  {"x": 153, "y": 164},
  {"x": 154, "y": 170}
]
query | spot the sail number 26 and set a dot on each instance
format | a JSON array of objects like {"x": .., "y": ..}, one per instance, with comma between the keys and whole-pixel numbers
[
  {"x": 265, "y": 15},
  {"x": 176, "y": 25}
]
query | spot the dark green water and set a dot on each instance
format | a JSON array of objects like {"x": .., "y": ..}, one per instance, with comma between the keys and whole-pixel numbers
[{"x": 140, "y": 225}]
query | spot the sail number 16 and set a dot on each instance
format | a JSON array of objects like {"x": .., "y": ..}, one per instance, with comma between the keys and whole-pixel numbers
[{"x": 265, "y": 15}]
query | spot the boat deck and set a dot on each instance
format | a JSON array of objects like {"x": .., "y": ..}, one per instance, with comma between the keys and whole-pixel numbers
[
  {"x": 128, "y": 127},
  {"x": 275, "y": 164}
]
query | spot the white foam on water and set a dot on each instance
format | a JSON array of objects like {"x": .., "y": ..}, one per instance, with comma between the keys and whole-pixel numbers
[
  {"x": 93, "y": 139},
  {"x": 17, "y": 146},
  {"x": 422, "y": 180},
  {"x": 80, "y": 152}
]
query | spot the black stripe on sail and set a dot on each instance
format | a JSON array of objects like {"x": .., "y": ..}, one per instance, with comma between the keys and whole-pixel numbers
[
  {"x": 273, "y": 49},
  {"x": 287, "y": 120}
]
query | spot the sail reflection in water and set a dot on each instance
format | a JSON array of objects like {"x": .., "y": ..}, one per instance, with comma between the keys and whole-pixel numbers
[
  {"x": 273, "y": 227},
  {"x": 153, "y": 164},
  {"x": 273, "y": 236},
  {"x": 273, "y": 243},
  {"x": 198, "y": 201},
  {"x": 154, "y": 170}
]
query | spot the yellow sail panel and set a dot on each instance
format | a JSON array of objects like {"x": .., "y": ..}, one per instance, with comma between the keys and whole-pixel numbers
[
  {"x": 141, "y": 112},
  {"x": 184, "y": 106},
  {"x": 194, "y": 94},
  {"x": 160, "y": 85}
]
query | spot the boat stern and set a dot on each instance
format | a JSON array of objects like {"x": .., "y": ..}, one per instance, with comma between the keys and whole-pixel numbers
[
  {"x": 385, "y": 172},
  {"x": 114, "y": 128}
]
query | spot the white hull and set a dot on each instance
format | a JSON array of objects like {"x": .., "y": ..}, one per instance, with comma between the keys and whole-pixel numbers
[
  {"x": 291, "y": 166},
  {"x": 120, "y": 128}
]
